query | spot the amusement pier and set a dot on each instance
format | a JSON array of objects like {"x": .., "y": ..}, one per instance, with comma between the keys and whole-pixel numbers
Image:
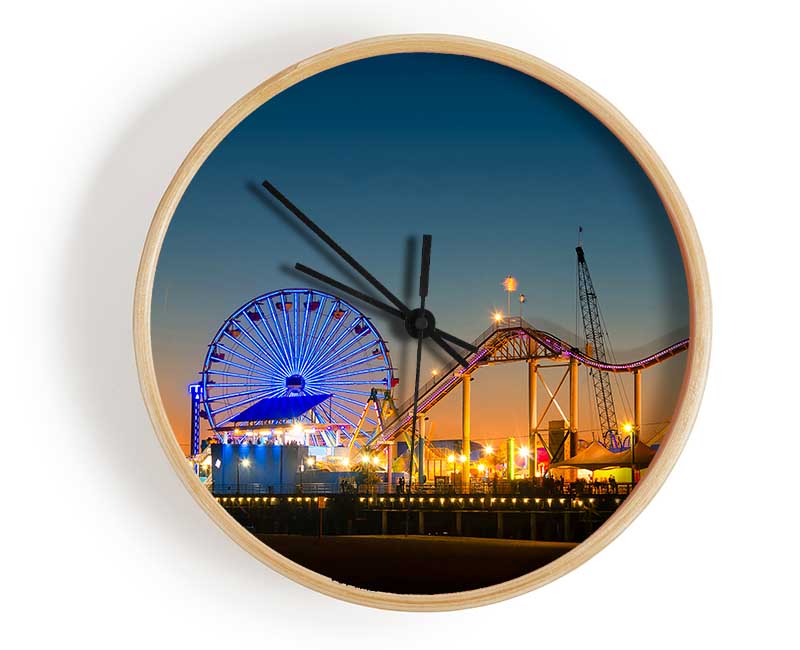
[{"x": 295, "y": 431}]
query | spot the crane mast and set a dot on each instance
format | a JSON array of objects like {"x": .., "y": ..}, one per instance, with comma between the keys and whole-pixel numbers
[{"x": 595, "y": 337}]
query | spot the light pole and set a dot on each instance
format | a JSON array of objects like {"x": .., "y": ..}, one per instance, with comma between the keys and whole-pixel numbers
[
  {"x": 244, "y": 462},
  {"x": 510, "y": 285},
  {"x": 631, "y": 431},
  {"x": 525, "y": 452}
]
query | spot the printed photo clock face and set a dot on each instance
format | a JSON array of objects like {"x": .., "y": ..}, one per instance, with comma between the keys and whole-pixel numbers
[{"x": 420, "y": 324}]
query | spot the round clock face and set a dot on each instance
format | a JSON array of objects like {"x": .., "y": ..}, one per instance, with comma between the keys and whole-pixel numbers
[{"x": 420, "y": 323}]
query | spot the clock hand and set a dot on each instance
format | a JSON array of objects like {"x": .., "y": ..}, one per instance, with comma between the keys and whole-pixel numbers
[
  {"x": 349, "y": 290},
  {"x": 319, "y": 232},
  {"x": 453, "y": 339},
  {"x": 438, "y": 336},
  {"x": 423, "y": 294},
  {"x": 448, "y": 348}
]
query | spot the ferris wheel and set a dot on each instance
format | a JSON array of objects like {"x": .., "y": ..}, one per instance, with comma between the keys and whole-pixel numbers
[{"x": 296, "y": 343}]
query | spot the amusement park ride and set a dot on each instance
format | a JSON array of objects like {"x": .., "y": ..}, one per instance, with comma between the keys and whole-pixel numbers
[
  {"x": 304, "y": 367},
  {"x": 299, "y": 366}
]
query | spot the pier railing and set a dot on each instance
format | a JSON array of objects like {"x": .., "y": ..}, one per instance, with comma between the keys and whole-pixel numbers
[{"x": 477, "y": 488}]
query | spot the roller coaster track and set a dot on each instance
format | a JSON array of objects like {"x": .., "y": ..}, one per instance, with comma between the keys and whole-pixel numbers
[{"x": 512, "y": 339}]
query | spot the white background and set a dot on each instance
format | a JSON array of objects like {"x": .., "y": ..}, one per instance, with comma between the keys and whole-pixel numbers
[{"x": 102, "y": 547}]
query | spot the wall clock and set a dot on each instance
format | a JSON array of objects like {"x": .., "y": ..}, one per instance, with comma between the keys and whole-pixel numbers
[{"x": 422, "y": 322}]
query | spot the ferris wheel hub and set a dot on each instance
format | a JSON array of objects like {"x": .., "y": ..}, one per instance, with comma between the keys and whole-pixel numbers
[{"x": 295, "y": 383}]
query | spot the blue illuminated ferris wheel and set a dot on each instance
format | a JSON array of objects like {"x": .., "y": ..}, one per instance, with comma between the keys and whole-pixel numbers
[{"x": 295, "y": 343}]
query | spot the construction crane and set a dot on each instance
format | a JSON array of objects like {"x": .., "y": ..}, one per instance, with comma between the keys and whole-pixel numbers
[{"x": 595, "y": 336}]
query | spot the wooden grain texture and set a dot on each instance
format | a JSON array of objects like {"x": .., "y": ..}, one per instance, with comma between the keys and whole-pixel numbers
[{"x": 694, "y": 264}]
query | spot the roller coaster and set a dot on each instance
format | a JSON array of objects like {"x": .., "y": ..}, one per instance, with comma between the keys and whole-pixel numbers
[{"x": 509, "y": 340}]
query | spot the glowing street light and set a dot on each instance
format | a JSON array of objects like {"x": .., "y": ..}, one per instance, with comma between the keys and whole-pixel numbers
[
  {"x": 627, "y": 427},
  {"x": 434, "y": 372},
  {"x": 487, "y": 450},
  {"x": 462, "y": 458},
  {"x": 244, "y": 462},
  {"x": 497, "y": 316},
  {"x": 510, "y": 284},
  {"x": 451, "y": 458}
]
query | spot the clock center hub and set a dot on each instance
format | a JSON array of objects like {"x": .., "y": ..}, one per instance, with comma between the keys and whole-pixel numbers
[{"x": 420, "y": 321}]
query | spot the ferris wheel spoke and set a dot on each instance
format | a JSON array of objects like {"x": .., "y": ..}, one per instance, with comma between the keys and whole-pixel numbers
[
  {"x": 227, "y": 396},
  {"x": 258, "y": 395},
  {"x": 296, "y": 331},
  {"x": 353, "y": 364},
  {"x": 246, "y": 369},
  {"x": 316, "y": 333},
  {"x": 364, "y": 393},
  {"x": 320, "y": 344},
  {"x": 287, "y": 329},
  {"x": 356, "y": 414},
  {"x": 329, "y": 438},
  {"x": 332, "y": 371},
  {"x": 279, "y": 336},
  {"x": 256, "y": 361},
  {"x": 370, "y": 341},
  {"x": 323, "y": 342},
  {"x": 222, "y": 373},
  {"x": 342, "y": 418},
  {"x": 358, "y": 373},
  {"x": 317, "y": 417},
  {"x": 267, "y": 353},
  {"x": 290, "y": 335},
  {"x": 337, "y": 347},
  {"x": 332, "y": 346},
  {"x": 343, "y": 401},
  {"x": 241, "y": 385},
  {"x": 331, "y": 362},
  {"x": 302, "y": 332},
  {"x": 277, "y": 347},
  {"x": 291, "y": 338}
]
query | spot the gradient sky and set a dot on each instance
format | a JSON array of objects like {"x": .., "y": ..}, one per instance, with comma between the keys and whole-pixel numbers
[{"x": 500, "y": 169}]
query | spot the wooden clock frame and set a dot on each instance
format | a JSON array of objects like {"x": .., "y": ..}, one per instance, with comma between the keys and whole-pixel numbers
[{"x": 682, "y": 224}]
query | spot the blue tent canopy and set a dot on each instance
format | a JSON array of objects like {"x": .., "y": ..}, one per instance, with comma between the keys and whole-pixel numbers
[{"x": 280, "y": 408}]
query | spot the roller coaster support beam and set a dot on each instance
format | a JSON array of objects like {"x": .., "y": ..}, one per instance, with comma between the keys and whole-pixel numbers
[
  {"x": 466, "y": 448},
  {"x": 511, "y": 460},
  {"x": 637, "y": 401},
  {"x": 533, "y": 416},
  {"x": 389, "y": 461},
  {"x": 421, "y": 449},
  {"x": 573, "y": 407}
]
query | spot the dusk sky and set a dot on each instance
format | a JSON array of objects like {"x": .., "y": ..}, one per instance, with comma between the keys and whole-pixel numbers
[{"x": 498, "y": 167}]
